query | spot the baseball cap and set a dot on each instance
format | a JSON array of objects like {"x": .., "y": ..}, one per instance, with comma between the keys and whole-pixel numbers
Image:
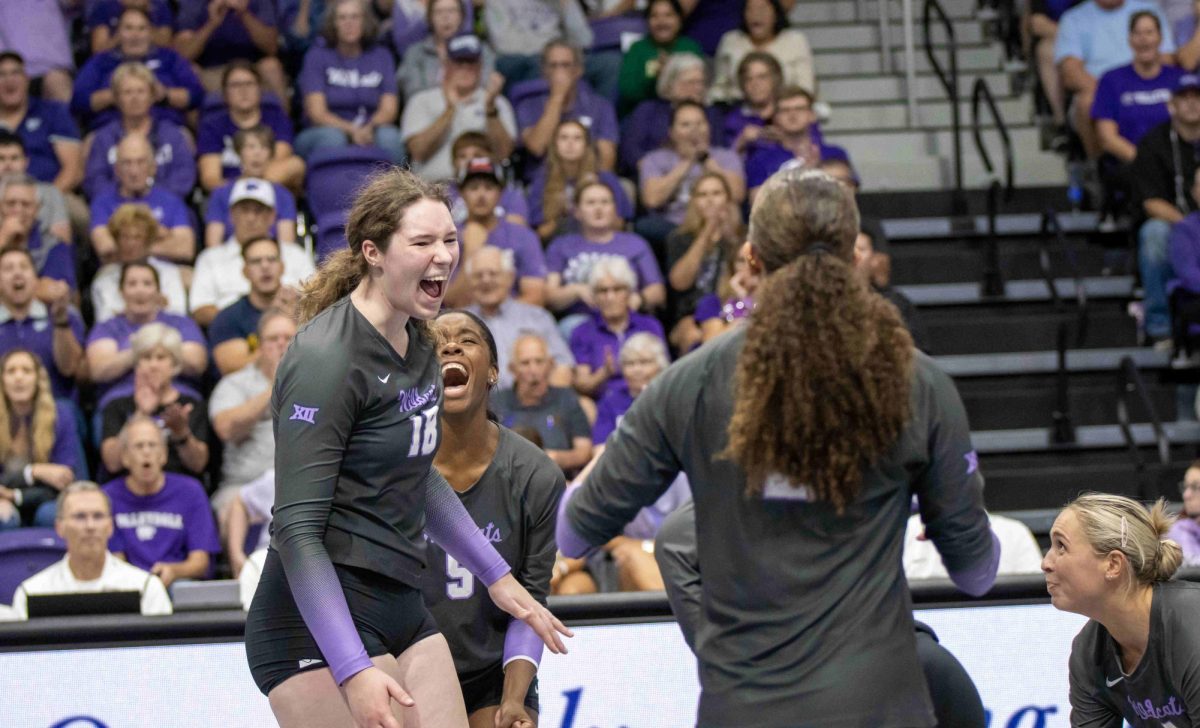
[
  {"x": 480, "y": 167},
  {"x": 251, "y": 188},
  {"x": 464, "y": 47},
  {"x": 1187, "y": 82}
]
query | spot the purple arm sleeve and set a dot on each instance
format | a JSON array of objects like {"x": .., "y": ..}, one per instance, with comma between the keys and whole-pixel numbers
[
  {"x": 976, "y": 580},
  {"x": 522, "y": 643},
  {"x": 570, "y": 543},
  {"x": 447, "y": 521}
]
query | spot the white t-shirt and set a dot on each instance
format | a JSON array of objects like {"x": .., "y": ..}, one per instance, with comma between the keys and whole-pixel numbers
[
  {"x": 218, "y": 280},
  {"x": 106, "y": 289},
  {"x": 426, "y": 106},
  {"x": 248, "y": 458},
  {"x": 1019, "y": 550},
  {"x": 116, "y": 576}
]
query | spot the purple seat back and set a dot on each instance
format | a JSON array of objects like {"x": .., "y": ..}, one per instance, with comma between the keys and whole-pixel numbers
[
  {"x": 331, "y": 236},
  {"x": 607, "y": 32},
  {"x": 23, "y": 553},
  {"x": 335, "y": 175}
]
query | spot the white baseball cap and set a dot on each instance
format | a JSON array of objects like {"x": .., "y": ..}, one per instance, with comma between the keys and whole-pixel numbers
[{"x": 252, "y": 188}]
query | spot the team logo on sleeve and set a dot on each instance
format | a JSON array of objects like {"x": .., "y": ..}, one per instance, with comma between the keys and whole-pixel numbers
[
  {"x": 304, "y": 414},
  {"x": 972, "y": 459}
]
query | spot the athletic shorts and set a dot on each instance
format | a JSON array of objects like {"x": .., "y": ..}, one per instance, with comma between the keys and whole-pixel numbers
[
  {"x": 390, "y": 617},
  {"x": 486, "y": 688}
]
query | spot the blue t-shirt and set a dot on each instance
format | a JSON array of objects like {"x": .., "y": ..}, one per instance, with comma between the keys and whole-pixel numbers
[
  {"x": 1100, "y": 38},
  {"x": 165, "y": 526},
  {"x": 764, "y": 159},
  {"x": 108, "y": 12},
  {"x": 45, "y": 123},
  {"x": 215, "y": 135},
  {"x": 173, "y": 156},
  {"x": 231, "y": 39},
  {"x": 171, "y": 69},
  {"x": 218, "y": 206},
  {"x": 238, "y": 320},
  {"x": 1137, "y": 104},
  {"x": 167, "y": 208},
  {"x": 352, "y": 87},
  {"x": 35, "y": 332}
]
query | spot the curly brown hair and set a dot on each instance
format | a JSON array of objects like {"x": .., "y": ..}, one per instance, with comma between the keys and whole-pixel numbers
[{"x": 823, "y": 379}]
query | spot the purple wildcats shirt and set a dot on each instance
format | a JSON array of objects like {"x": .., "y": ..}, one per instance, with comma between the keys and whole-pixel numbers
[
  {"x": 572, "y": 256},
  {"x": 165, "y": 526},
  {"x": 1137, "y": 104},
  {"x": 352, "y": 86}
]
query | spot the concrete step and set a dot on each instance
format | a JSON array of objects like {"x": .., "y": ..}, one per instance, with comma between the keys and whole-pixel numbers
[
  {"x": 882, "y": 89},
  {"x": 834, "y": 63},
  {"x": 845, "y": 11},
  {"x": 933, "y": 113},
  {"x": 1022, "y": 291},
  {"x": 824, "y": 36}
]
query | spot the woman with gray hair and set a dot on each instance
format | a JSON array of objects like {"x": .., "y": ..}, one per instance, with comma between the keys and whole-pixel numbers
[
  {"x": 684, "y": 77},
  {"x": 596, "y": 342},
  {"x": 1138, "y": 657},
  {"x": 158, "y": 355},
  {"x": 643, "y": 357}
]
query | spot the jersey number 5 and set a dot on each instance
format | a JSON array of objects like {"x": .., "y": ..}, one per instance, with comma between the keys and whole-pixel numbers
[
  {"x": 424, "y": 440},
  {"x": 460, "y": 583}
]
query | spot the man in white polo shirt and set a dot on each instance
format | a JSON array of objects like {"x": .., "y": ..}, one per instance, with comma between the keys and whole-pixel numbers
[
  {"x": 85, "y": 522},
  {"x": 218, "y": 280}
]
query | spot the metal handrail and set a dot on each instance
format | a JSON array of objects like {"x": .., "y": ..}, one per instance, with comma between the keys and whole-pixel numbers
[
  {"x": 1051, "y": 227},
  {"x": 1129, "y": 382},
  {"x": 949, "y": 83},
  {"x": 981, "y": 95}
]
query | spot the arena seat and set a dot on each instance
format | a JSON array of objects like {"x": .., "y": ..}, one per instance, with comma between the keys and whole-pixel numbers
[
  {"x": 333, "y": 177},
  {"x": 23, "y": 553}
]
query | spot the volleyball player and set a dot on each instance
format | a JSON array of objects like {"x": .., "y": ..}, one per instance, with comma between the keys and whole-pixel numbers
[
  {"x": 356, "y": 401},
  {"x": 1138, "y": 657},
  {"x": 511, "y": 489},
  {"x": 804, "y": 434}
]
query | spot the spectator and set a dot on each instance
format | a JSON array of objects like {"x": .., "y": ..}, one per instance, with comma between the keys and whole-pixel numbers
[
  {"x": 1187, "y": 37},
  {"x": 567, "y": 96},
  {"x": 570, "y": 258},
  {"x": 214, "y": 33},
  {"x": 667, "y": 174},
  {"x": 425, "y": 59},
  {"x": 40, "y": 451},
  {"x": 103, "y": 16},
  {"x": 643, "y": 357},
  {"x": 707, "y": 21},
  {"x": 1186, "y": 530},
  {"x": 1183, "y": 269},
  {"x": 134, "y": 228},
  {"x": 410, "y": 22},
  {"x": 697, "y": 251},
  {"x": 38, "y": 32},
  {"x": 553, "y": 411},
  {"x": 472, "y": 145},
  {"x": 491, "y": 273},
  {"x": 1043, "y": 30},
  {"x": 50, "y": 135},
  {"x": 349, "y": 86},
  {"x": 1163, "y": 163},
  {"x": 255, "y": 147},
  {"x": 245, "y": 109},
  {"x": 764, "y": 28},
  {"x": 1019, "y": 550},
  {"x": 53, "y": 333},
  {"x": 250, "y": 504},
  {"x": 54, "y": 259},
  {"x": 110, "y": 354},
  {"x": 136, "y": 169},
  {"x": 760, "y": 78},
  {"x": 174, "y": 157},
  {"x": 683, "y": 78},
  {"x": 1131, "y": 100},
  {"x": 519, "y": 30},
  {"x": 873, "y": 261},
  {"x": 642, "y": 63},
  {"x": 163, "y": 521},
  {"x": 733, "y": 301},
  {"x": 1093, "y": 39},
  {"x": 158, "y": 353},
  {"x": 433, "y": 118},
  {"x": 789, "y": 139},
  {"x": 571, "y": 159},
  {"x": 178, "y": 89},
  {"x": 481, "y": 183},
  {"x": 232, "y": 334},
  {"x": 240, "y": 409},
  {"x": 52, "y": 217},
  {"x": 219, "y": 281},
  {"x": 85, "y": 522},
  {"x": 596, "y": 341}
]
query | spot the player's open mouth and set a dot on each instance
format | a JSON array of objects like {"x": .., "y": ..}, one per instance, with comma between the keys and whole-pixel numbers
[
  {"x": 455, "y": 379},
  {"x": 434, "y": 287}
]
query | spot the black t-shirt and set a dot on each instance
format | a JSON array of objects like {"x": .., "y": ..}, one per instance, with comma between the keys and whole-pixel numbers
[
  {"x": 515, "y": 504},
  {"x": 1165, "y": 168},
  {"x": 683, "y": 303},
  {"x": 117, "y": 413}
]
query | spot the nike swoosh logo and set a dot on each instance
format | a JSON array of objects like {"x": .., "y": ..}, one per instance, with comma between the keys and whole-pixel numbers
[
  {"x": 384, "y": 380},
  {"x": 309, "y": 663},
  {"x": 1110, "y": 683}
]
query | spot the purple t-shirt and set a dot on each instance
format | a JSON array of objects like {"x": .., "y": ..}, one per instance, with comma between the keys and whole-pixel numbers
[
  {"x": 592, "y": 341},
  {"x": 108, "y": 12},
  {"x": 45, "y": 123},
  {"x": 590, "y": 109},
  {"x": 572, "y": 256},
  {"x": 172, "y": 153},
  {"x": 121, "y": 330},
  {"x": 537, "y": 193},
  {"x": 512, "y": 202},
  {"x": 215, "y": 135},
  {"x": 231, "y": 39},
  {"x": 167, "y": 208},
  {"x": 1137, "y": 104},
  {"x": 352, "y": 86},
  {"x": 661, "y": 161},
  {"x": 709, "y": 20},
  {"x": 55, "y": 259},
  {"x": 218, "y": 206},
  {"x": 647, "y": 128},
  {"x": 35, "y": 332},
  {"x": 764, "y": 159},
  {"x": 170, "y": 68},
  {"x": 609, "y": 410},
  {"x": 166, "y": 526},
  {"x": 525, "y": 246}
]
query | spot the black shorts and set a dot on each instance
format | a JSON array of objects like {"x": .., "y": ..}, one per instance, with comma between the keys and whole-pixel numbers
[
  {"x": 485, "y": 688},
  {"x": 390, "y": 617}
]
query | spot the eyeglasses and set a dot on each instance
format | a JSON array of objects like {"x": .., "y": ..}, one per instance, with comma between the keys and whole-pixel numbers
[
  {"x": 1185, "y": 486},
  {"x": 609, "y": 290}
]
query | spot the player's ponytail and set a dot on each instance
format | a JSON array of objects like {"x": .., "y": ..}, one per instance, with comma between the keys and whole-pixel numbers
[
  {"x": 376, "y": 215},
  {"x": 822, "y": 383}
]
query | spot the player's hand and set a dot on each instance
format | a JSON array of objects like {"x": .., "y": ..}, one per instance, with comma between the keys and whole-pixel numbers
[
  {"x": 369, "y": 694},
  {"x": 513, "y": 715},
  {"x": 509, "y": 595}
]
